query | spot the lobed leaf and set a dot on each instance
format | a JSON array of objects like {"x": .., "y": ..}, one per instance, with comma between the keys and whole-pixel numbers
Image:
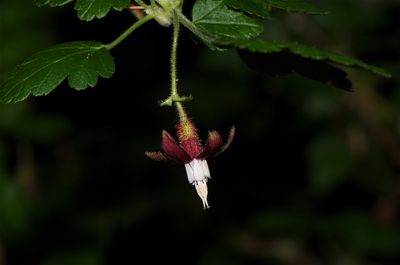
[
  {"x": 88, "y": 9},
  {"x": 42, "y": 72},
  {"x": 215, "y": 17}
]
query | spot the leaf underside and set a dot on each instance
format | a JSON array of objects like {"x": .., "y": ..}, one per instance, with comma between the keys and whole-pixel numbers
[
  {"x": 282, "y": 58},
  {"x": 308, "y": 52},
  {"x": 285, "y": 63},
  {"x": 80, "y": 62},
  {"x": 233, "y": 27}
]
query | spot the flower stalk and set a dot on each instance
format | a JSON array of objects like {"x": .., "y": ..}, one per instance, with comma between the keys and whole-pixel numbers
[
  {"x": 174, "y": 96},
  {"x": 174, "y": 50}
]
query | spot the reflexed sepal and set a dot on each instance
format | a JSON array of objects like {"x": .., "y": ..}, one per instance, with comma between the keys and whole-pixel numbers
[
  {"x": 156, "y": 155},
  {"x": 213, "y": 144},
  {"x": 173, "y": 151},
  {"x": 228, "y": 142}
]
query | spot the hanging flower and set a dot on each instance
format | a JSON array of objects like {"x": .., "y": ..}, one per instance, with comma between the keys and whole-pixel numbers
[{"x": 190, "y": 153}]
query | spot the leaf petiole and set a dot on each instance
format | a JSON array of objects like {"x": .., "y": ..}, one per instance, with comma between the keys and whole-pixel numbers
[
  {"x": 129, "y": 31},
  {"x": 194, "y": 29},
  {"x": 142, "y": 4}
]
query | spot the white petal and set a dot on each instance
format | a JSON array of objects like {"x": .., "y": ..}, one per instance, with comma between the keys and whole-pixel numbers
[
  {"x": 198, "y": 175},
  {"x": 197, "y": 170}
]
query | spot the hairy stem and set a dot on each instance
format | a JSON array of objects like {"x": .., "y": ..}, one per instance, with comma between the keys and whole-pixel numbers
[
  {"x": 174, "y": 89},
  {"x": 129, "y": 31},
  {"x": 174, "y": 79},
  {"x": 181, "y": 111}
]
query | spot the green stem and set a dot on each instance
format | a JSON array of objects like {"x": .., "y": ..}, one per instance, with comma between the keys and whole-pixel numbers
[
  {"x": 181, "y": 111},
  {"x": 174, "y": 97},
  {"x": 129, "y": 31},
  {"x": 141, "y": 3},
  {"x": 174, "y": 79},
  {"x": 174, "y": 89},
  {"x": 174, "y": 86}
]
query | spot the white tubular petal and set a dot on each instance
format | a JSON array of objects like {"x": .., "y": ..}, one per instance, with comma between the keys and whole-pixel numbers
[
  {"x": 202, "y": 191},
  {"x": 197, "y": 170},
  {"x": 198, "y": 175},
  {"x": 189, "y": 172}
]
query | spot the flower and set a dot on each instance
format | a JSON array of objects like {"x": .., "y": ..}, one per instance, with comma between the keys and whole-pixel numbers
[{"x": 190, "y": 153}]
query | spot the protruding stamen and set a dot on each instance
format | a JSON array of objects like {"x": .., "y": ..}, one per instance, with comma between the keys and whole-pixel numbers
[{"x": 202, "y": 191}]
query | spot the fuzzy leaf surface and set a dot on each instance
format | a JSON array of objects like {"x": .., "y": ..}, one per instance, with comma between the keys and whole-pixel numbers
[
  {"x": 89, "y": 9},
  {"x": 215, "y": 17},
  {"x": 81, "y": 62}
]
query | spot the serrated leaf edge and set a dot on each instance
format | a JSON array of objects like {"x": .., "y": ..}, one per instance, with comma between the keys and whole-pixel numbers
[{"x": 19, "y": 85}]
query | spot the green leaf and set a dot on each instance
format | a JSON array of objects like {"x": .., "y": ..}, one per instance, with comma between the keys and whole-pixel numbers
[
  {"x": 88, "y": 9},
  {"x": 81, "y": 62},
  {"x": 256, "y": 7},
  {"x": 282, "y": 58},
  {"x": 214, "y": 17}
]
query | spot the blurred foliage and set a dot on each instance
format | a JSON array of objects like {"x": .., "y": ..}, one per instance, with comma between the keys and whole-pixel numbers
[{"x": 311, "y": 178}]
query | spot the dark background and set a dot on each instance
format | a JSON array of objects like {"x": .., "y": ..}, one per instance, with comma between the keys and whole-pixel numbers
[{"x": 312, "y": 176}]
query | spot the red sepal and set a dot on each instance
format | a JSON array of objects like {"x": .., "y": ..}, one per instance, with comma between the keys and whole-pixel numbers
[
  {"x": 214, "y": 142},
  {"x": 173, "y": 151},
  {"x": 228, "y": 142},
  {"x": 156, "y": 155}
]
